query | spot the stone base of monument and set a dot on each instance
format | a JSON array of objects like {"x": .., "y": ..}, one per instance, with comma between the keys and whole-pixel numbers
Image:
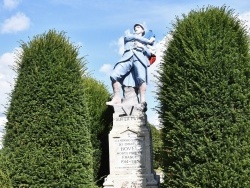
[
  {"x": 130, "y": 181},
  {"x": 130, "y": 150}
]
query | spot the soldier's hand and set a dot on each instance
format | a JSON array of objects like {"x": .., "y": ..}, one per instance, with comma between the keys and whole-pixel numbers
[{"x": 151, "y": 40}]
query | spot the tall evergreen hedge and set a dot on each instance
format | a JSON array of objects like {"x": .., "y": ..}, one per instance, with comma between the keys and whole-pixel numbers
[
  {"x": 47, "y": 137},
  {"x": 157, "y": 146},
  {"x": 5, "y": 181},
  {"x": 204, "y": 96},
  {"x": 96, "y": 94}
]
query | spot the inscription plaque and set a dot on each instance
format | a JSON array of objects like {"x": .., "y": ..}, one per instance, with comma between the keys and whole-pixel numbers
[{"x": 129, "y": 152}]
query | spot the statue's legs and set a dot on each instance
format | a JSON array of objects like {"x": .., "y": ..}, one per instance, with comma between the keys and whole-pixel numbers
[
  {"x": 140, "y": 75},
  {"x": 142, "y": 90},
  {"x": 116, "y": 98},
  {"x": 120, "y": 70}
]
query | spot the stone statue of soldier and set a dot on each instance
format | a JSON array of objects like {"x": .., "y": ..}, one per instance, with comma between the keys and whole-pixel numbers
[{"x": 134, "y": 62}]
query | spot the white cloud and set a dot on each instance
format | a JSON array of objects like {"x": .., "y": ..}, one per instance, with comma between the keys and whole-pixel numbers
[
  {"x": 18, "y": 22},
  {"x": 7, "y": 58},
  {"x": 154, "y": 120},
  {"x": 6, "y": 77},
  {"x": 245, "y": 17},
  {"x": 106, "y": 68},
  {"x": 119, "y": 44},
  {"x": 159, "y": 48},
  {"x": 11, "y": 4},
  {"x": 152, "y": 74},
  {"x": 2, "y": 122}
]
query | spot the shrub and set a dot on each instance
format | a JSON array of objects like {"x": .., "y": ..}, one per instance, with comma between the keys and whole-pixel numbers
[
  {"x": 96, "y": 95},
  {"x": 157, "y": 146},
  {"x": 47, "y": 137},
  {"x": 204, "y": 101},
  {"x": 5, "y": 181}
]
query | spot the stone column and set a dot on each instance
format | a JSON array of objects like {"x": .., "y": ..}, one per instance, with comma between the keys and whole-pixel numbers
[{"x": 130, "y": 149}]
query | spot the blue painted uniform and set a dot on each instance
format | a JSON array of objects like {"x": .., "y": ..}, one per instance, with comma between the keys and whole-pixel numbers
[{"x": 133, "y": 64}]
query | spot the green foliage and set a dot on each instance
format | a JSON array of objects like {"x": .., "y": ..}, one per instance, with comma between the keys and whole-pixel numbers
[
  {"x": 204, "y": 99},
  {"x": 47, "y": 138},
  {"x": 157, "y": 146},
  {"x": 5, "y": 181},
  {"x": 96, "y": 95}
]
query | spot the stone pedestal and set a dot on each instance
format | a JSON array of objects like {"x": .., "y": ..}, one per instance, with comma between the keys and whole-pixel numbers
[{"x": 130, "y": 150}]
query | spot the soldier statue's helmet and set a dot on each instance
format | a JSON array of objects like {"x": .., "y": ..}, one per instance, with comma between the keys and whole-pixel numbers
[{"x": 141, "y": 27}]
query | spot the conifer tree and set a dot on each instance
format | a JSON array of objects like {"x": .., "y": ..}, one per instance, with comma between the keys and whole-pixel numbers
[
  {"x": 157, "y": 146},
  {"x": 204, "y": 95},
  {"x": 47, "y": 137},
  {"x": 5, "y": 181},
  {"x": 96, "y": 94}
]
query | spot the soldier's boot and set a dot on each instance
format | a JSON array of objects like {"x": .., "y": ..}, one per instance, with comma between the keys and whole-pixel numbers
[{"x": 116, "y": 96}]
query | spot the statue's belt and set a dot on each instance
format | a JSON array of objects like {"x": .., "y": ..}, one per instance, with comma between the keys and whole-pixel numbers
[{"x": 137, "y": 49}]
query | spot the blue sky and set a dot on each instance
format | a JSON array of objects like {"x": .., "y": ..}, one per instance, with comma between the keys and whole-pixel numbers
[{"x": 97, "y": 26}]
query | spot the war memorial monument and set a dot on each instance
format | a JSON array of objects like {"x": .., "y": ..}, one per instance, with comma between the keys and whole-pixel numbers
[{"x": 130, "y": 141}]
